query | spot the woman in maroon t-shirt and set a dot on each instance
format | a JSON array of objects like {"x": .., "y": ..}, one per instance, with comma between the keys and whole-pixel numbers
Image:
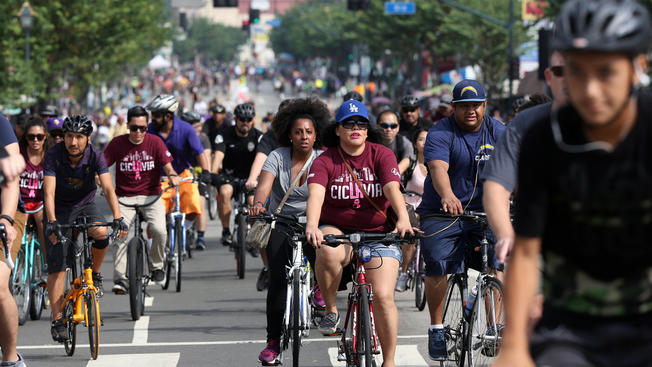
[
  {"x": 336, "y": 205},
  {"x": 32, "y": 147}
]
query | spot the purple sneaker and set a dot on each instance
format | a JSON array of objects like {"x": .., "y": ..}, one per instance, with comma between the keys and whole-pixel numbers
[
  {"x": 317, "y": 298},
  {"x": 269, "y": 355}
]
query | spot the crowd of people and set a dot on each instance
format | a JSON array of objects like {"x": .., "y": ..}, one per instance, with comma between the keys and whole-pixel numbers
[{"x": 577, "y": 168}]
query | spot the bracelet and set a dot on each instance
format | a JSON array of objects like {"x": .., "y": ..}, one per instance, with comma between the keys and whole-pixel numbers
[
  {"x": 261, "y": 203},
  {"x": 8, "y": 219}
]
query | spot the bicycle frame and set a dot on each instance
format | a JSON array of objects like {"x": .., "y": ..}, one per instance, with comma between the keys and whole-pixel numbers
[
  {"x": 298, "y": 262},
  {"x": 177, "y": 213},
  {"x": 29, "y": 245}
]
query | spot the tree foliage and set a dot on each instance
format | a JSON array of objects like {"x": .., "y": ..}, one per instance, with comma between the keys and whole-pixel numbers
[
  {"x": 210, "y": 40},
  {"x": 78, "y": 43}
]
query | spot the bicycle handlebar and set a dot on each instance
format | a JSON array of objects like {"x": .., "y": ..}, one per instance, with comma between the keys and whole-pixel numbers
[
  {"x": 148, "y": 203},
  {"x": 269, "y": 217},
  {"x": 3, "y": 236},
  {"x": 334, "y": 240},
  {"x": 82, "y": 226},
  {"x": 468, "y": 215}
]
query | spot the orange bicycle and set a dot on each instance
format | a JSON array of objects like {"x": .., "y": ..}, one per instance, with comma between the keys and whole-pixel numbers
[{"x": 81, "y": 304}]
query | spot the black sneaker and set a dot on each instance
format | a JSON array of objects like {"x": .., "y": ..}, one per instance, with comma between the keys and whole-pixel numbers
[
  {"x": 158, "y": 276},
  {"x": 253, "y": 251},
  {"x": 200, "y": 245},
  {"x": 120, "y": 287},
  {"x": 263, "y": 280},
  {"x": 59, "y": 331},
  {"x": 227, "y": 239},
  {"x": 97, "y": 281}
]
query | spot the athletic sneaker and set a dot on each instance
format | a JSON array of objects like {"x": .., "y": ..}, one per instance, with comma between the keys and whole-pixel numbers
[
  {"x": 59, "y": 331},
  {"x": 437, "y": 344},
  {"x": 19, "y": 363},
  {"x": 158, "y": 276},
  {"x": 263, "y": 280},
  {"x": 227, "y": 238},
  {"x": 200, "y": 245},
  {"x": 491, "y": 347},
  {"x": 317, "y": 298},
  {"x": 401, "y": 283},
  {"x": 119, "y": 287},
  {"x": 269, "y": 355},
  {"x": 97, "y": 281},
  {"x": 253, "y": 251},
  {"x": 329, "y": 323}
]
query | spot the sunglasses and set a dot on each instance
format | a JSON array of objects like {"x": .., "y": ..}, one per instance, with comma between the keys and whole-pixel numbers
[
  {"x": 409, "y": 109},
  {"x": 388, "y": 126},
  {"x": 38, "y": 137},
  {"x": 349, "y": 124},
  {"x": 557, "y": 71},
  {"x": 158, "y": 114},
  {"x": 246, "y": 120},
  {"x": 135, "y": 128},
  {"x": 56, "y": 135}
]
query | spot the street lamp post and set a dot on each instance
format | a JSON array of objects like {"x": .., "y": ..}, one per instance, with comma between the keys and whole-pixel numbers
[{"x": 26, "y": 17}]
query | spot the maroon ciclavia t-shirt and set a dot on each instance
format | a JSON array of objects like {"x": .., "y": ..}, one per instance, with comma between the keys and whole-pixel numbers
[
  {"x": 138, "y": 167},
  {"x": 31, "y": 180},
  {"x": 344, "y": 204}
]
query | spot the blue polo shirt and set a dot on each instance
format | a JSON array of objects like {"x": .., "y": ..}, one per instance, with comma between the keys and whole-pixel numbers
[
  {"x": 182, "y": 142},
  {"x": 7, "y": 137},
  {"x": 463, "y": 151},
  {"x": 75, "y": 185}
]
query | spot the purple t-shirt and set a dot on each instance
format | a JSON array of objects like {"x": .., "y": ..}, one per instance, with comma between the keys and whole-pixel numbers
[
  {"x": 183, "y": 143},
  {"x": 75, "y": 185}
]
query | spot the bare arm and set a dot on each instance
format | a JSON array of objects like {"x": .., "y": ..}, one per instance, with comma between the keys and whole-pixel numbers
[
  {"x": 218, "y": 157},
  {"x": 316, "y": 195},
  {"x": 109, "y": 194},
  {"x": 173, "y": 176},
  {"x": 262, "y": 193},
  {"x": 442, "y": 184},
  {"x": 203, "y": 161},
  {"x": 256, "y": 168},
  {"x": 392, "y": 192},
  {"x": 11, "y": 190},
  {"x": 495, "y": 199},
  {"x": 403, "y": 165}
]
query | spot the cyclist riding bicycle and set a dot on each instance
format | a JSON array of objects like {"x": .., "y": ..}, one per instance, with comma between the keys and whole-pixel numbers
[
  {"x": 586, "y": 211},
  {"x": 236, "y": 150},
  {"x": 70, "y": 170},
  {"x": 455, "y": 152},
  {"x": 185, "y": 147},
  {"x": 140, "y": 158},
  {"x": 411, "y": 119},
  {"x": 54, "y": 127},
  {"x": 298, "y": 127},
  {"x": 339, "y": 202}
]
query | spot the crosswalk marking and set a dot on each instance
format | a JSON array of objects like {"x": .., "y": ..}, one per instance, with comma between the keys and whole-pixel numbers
[
  {"x": 149, "y": 301},
  {"x": 406, "y": 356},
  {"x": 140, "y": 330},
  {"x": 158, "y": 360}
]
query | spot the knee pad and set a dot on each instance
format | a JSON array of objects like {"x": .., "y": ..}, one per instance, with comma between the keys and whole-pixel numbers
[{"x": 101, "y": 244}]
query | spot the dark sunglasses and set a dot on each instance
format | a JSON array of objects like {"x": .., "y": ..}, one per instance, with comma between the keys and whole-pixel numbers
[
  {"x": 349, "y": 124},
  {"x": 57, "y": 134},
  {"x": 38, "y": 137},
  {"x": 158, "y": 114},
  {"x": 557, "y": 71},
  {"x": 388, "y": 126},
  {"x": 246, "y": 120},
  {"x": 409, "y": 109},
  {"x": 135, "y": 128}
]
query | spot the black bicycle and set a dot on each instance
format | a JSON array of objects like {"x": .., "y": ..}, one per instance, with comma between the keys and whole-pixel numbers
[{"x": 241, "y": 226}]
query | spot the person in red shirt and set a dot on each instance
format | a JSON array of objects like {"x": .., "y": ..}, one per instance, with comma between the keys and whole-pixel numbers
[
  {"x": 139, "y": 158},
  {"x": 336, "y": 205}
]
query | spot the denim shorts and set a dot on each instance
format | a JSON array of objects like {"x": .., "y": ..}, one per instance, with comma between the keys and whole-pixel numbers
[{"x": 377, "y": 249}]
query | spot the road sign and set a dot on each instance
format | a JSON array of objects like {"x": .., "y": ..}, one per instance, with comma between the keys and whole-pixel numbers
[
  {"x": 400, "y": 8},
  {"x": 260, "y": 4},
  {"x": 274, "y": 22}
]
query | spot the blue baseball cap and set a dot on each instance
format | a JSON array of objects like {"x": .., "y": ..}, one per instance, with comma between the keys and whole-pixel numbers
[
  {"x": 351, "y": 108},
  {"x": 469, "y": 90}
]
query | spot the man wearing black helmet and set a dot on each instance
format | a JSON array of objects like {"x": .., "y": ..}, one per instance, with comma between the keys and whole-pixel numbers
[
  {"x": 411, "y": 120},
  {"x": 214, "y": 124},
  {"x": 235, "y": 153},
  {"x": 587, "y": 211},
  {"x": 69, "y": 191}
]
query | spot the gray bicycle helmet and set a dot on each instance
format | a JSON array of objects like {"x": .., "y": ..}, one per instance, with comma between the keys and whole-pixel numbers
[
  {"x": 244, "y": 111},
  {"x": 409, "y": 101},
  {"x": 190, "y": 117},
  {"x": 621, "y": 26},
  {"x": 163, "y": 103},
  {"x": 78, "y": 124},
  {"x": 218, "y": 108}
]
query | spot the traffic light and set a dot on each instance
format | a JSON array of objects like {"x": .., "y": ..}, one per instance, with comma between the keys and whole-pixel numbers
[
  {"x": 358, "y": 4},
  {"x": 254, "y": 16},
  {"x": 225, "y": 3},
  {"x": 245, "y": 25}
]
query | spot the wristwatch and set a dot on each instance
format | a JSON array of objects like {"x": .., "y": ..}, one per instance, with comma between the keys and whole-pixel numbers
[{"x": 8, "y": 219}]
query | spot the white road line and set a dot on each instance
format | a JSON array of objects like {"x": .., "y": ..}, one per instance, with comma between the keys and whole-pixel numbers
[
  {"x": 406, "y": 356},
  {"x": 158, "y": 360},
  {"x": 140, "y": 330},
  {"x": 192, "y": 343},
  {"x": 149, "y": 301}
]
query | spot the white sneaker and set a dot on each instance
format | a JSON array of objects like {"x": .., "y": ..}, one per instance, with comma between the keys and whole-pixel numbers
[{"x": 401, "y": 283}]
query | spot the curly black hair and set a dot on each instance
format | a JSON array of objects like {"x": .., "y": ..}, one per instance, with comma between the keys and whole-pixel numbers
[
  {"x": 309, "y": 108},
  {"x": 31, "y": 122},
  {"x": 332, "y": 140}
]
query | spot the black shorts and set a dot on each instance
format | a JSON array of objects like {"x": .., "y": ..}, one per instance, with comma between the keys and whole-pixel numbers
[{"x": 58, "y": 255}]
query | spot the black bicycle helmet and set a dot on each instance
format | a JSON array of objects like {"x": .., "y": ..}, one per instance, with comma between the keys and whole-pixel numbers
[
  {"x": 163, "y": 103},
  {"x": 353, "y": 95},
  {"x": 218, "y": 108},
  {"x": 621, "y": 26},
  {"x": 409, "y": 101},
  {"x": 78, "y": 124},
  {"x": 244, "y": 111},
  {"x": 190, "y": 117}
]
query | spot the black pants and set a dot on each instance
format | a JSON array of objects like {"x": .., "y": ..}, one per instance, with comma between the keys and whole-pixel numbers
[{"x": 279, "y": 255}]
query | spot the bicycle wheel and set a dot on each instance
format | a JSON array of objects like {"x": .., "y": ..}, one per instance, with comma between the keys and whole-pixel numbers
[
  {"x": 38, "y": 289},
  {"x": 67, "y": 316},
  {"x": 419, "y": 286},
  {"x": 212, "y": 202},
  {"x": 453, "y": 320},
  {"x": 21, "y": 286},
  {"x": 296, "y": 316},
  {"x": 135, "y": 274},
  {"x": 486, "y": 324},
  {"x": 364, "y": 343},
  {"x": 168, "y": 262},
  {"x": 178, "y": 233},
  {"x": 240, "y": 251},
  {"x": 93, "y": 322},
  {"x": 190, "y": 241}
]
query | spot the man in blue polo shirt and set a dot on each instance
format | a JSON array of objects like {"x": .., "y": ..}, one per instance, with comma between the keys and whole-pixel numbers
[
  {"x": 456, "y": 151},
  {"x": 186, "y": 148},
  {"x": 69, "y": 189}
]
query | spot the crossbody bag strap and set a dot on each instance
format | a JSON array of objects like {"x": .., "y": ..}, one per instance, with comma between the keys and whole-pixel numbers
[
  {"x": 294, "y": 183},
  {"x": 339, "y": 150}
]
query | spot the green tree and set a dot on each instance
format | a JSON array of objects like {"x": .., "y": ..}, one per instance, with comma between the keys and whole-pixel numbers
[{"x": 211, "y": 41}]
